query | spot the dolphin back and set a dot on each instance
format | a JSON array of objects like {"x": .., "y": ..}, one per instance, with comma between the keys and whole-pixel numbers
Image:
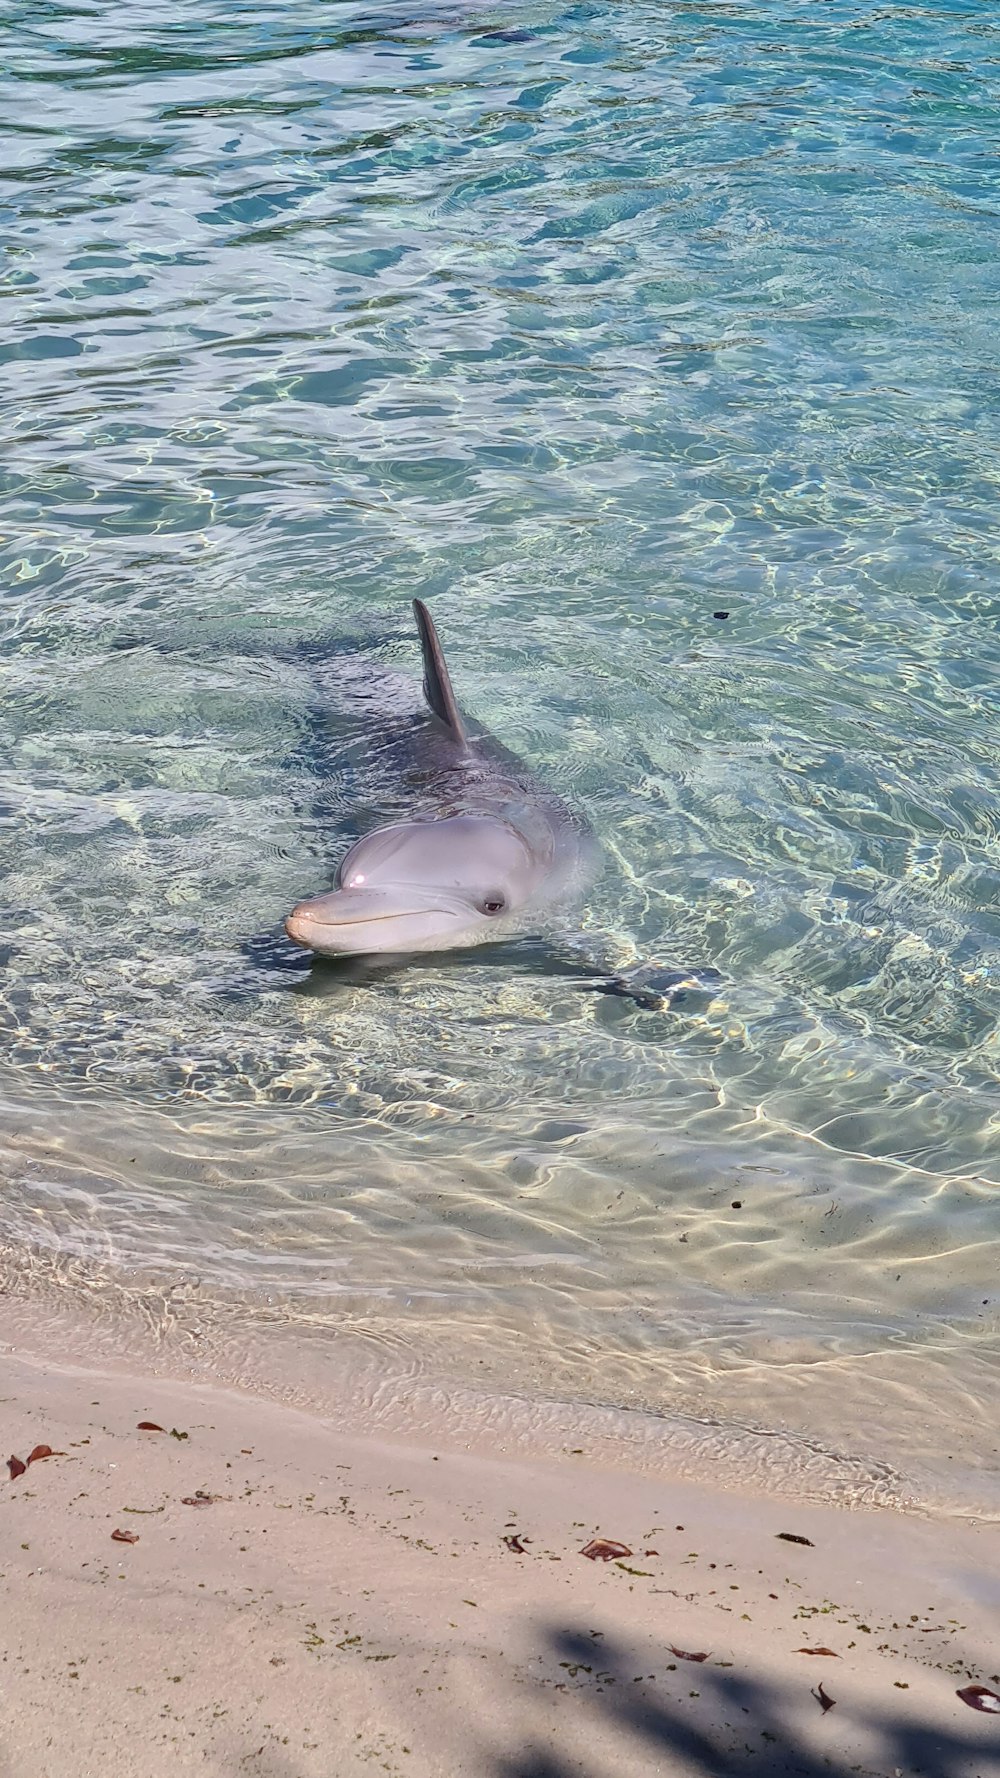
[{"x": 437, "y": 679}]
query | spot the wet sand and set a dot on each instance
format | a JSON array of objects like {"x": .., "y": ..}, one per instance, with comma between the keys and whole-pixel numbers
[{"x": 345, "y": 1605}]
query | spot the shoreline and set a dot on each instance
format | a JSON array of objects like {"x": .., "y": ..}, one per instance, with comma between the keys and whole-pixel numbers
[
  {"x": 786, "y": 1377},
  {"x": 347, "y": 1603},
  {"x": 398, "y": 1383}
]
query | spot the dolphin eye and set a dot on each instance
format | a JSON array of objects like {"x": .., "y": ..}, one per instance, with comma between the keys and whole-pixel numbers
[{"x": 494, "y": 904}]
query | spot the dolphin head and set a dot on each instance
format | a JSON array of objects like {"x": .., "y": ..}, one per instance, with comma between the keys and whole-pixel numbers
[{"x": 423, "y": 886}]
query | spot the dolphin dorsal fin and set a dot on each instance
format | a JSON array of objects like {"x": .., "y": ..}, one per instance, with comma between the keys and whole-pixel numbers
[{"x": 437, "y": 682}]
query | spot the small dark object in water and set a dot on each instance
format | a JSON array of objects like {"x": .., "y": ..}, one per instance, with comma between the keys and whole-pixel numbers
[
  {"x": 684, "y": 1654},
  {"x": 737, "y": 1204},
  {"x": 124, "y": 1536},
  {"x": 721, "y": 615},
  {"x": 16, "y": 1467},
  {"x": 616, "y": 984},
  {"x": 602, "y": 1549},
  {"x": 793, "y": 1537},
  {"x": 514, "y": 1543},
  {"x": 979, "y": 1697},
  {"x": 658, "y": 990},
  {"x": 506, "y": 37},
  {"x": 824, "y": 1698}
]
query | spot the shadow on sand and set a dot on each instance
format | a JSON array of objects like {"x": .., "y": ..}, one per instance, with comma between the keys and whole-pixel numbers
[{"x": 739, "y": 1725}]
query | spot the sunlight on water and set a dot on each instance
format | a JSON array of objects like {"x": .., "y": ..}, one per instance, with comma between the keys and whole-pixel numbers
[{"x": 656, "y": 348}]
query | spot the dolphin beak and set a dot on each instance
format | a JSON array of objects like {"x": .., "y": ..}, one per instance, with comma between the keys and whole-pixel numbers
[
  {"x": 300, "y": 928},
  {"x": 317, "y": 924},
  {"x": 348, "y": 921}
]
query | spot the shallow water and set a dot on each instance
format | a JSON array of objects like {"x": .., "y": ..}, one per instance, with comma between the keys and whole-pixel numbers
[{"x": 656, "y": 348}]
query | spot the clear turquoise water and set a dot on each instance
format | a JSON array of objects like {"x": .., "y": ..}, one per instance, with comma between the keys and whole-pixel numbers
[{"x": 585, "y": 325}]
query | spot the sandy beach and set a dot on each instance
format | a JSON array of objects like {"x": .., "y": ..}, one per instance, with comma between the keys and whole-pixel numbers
[{"x": 287, "y": 1600}]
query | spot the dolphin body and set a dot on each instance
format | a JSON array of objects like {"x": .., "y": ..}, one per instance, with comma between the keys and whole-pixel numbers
[{"x": 490, "y": 853}]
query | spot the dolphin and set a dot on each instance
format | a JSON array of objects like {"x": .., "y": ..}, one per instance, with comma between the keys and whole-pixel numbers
[{"x": 490, "y": 852}]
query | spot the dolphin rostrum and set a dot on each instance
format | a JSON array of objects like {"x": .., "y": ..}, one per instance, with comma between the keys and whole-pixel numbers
[{"x": 490, "y": 852}]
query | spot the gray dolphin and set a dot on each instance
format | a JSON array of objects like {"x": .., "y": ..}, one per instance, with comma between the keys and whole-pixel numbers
[{"x": 491, "y": 852}]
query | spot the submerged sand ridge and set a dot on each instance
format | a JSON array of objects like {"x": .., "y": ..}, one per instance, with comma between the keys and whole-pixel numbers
[{"x": 302, "y": 1601}]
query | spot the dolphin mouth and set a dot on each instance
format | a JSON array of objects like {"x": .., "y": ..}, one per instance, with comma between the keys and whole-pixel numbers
[
  {"x": 316, "y": 930},
  {"x": 300, "y": 921},
  {"x": 358, "y": 919}
]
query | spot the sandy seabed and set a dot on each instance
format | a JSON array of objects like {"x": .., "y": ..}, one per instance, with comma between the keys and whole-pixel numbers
[{"x": 304, "y": 1601}]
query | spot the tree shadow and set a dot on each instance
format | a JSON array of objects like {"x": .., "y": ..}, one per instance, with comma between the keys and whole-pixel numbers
[{"x": 743, "y": 1726}]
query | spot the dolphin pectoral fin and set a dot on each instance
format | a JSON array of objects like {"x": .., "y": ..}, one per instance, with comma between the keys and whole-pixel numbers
[
  {"x": 589, "y": 957},
  {"x": 650, "y": 986},
  {"x": 659, "y": 990},
  {"x": 437, "y": 680}
]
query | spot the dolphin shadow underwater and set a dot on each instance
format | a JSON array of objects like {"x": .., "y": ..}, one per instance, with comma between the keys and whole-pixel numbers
[
  {"x": 483, "y": 854},
  {"x": 649, "y": 989}
]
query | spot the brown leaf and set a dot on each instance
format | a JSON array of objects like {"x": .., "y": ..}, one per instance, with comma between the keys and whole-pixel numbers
[
  {"x": 824, "y": 1698},
  {"x": 684, "y": 1654},
  {"x": 601, "y": 1549},
  {"x": 125, "y": 1536},
  {"x": 514, "y": 1543},
  {"x": 793, "y": 1537},
  {"x": 41, "y": 1451},
  {"x": 148, "y": 1426},
  {"x": 979, "y": 1697},
  {"x": 818, "y": 1651},
  {"x": 16, "y": 1467}
]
